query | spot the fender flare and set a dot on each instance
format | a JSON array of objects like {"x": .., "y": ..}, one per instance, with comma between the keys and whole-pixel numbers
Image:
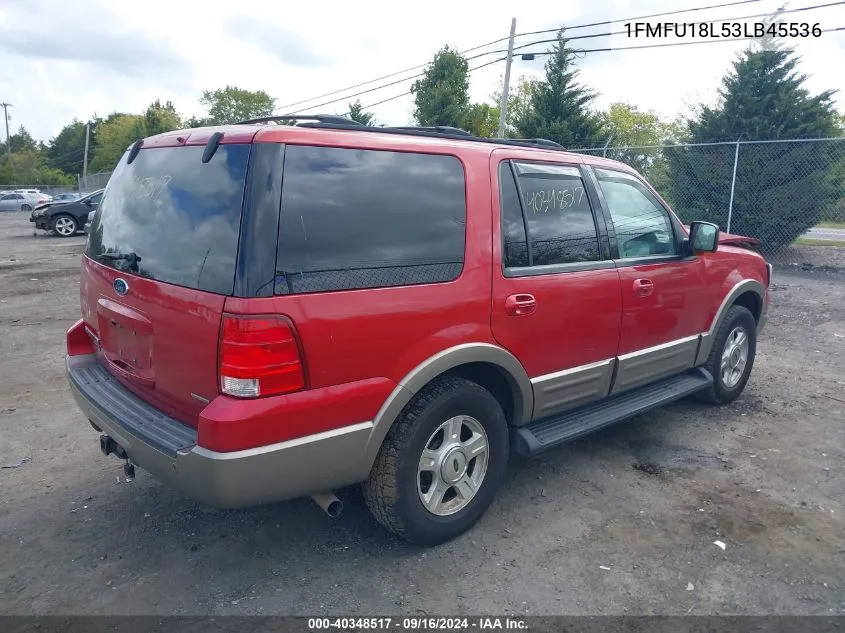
[
  {"x": 707, "y": 338},
  {"x": 440, "y": 363}
]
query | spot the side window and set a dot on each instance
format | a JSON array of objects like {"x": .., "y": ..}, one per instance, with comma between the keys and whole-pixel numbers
[
  {"x": 514, "y": 244},
  {"x": 7, "y": 196},
  {"x": 642, "y": 225},
  {"x": 96, "y": 199},
  {"x": 561, "y": 229},
  {"x": 355, "y": 219}
]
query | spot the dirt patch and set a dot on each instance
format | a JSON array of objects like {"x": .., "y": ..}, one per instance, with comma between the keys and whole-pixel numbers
[{"x": 576, "y": 531}]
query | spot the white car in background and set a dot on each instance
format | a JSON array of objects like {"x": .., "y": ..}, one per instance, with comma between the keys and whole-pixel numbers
[{"x": 21, "y": 201}]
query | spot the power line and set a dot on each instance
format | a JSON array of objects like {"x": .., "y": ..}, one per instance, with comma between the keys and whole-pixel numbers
[
  {"x": 630, "y": 48},
  {"x": 742, "y": 17},
  {"x": 601, "y": 50},
  {"x": 643, "y": 17},
  {"x": 496, "y": 41},
  {"x": 522, "y": 46},
  {"x": 398, "y": 81},
  {"x": 407, "y": 92}
]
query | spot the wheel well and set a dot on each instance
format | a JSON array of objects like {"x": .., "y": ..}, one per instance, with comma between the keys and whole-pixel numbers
[
  {"x": 750, "y": 300},
  {"x": 494, "y": 379}
]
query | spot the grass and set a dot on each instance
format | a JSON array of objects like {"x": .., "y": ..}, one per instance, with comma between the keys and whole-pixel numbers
[
  {"x": 830, "y": 225},
  {"x": 803, "y": 241}
]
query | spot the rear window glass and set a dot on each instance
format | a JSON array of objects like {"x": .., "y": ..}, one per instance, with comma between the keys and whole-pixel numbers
[
  {"x": 169, "y": 217},
  {"x": 365, "y": 219}
]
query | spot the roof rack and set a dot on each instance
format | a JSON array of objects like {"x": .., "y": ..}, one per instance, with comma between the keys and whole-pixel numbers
[
  {"x": 439, "y": 129},
  {"x": 320, "y": 118},
  {"x": 336, "y": 122}
]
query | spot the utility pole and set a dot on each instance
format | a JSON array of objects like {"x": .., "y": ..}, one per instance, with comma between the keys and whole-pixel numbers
[
  {"x": 85, "y": 159},
  {"x": 503, "y": 107},
  {"x": 6, "y": 119}
]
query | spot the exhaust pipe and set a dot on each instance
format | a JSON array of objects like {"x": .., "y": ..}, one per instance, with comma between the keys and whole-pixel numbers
[{"x": 330, "y": 504}]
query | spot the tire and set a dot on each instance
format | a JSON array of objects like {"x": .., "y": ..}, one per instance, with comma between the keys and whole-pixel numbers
[
  {"x": 728, "y": 385},
  {"x": 64, "y": 225},
  {"x": 393, "y": 492},
  {"x": 26, "y": 207}
]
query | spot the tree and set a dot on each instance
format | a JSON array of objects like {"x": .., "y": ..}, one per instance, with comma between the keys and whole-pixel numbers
[
  {"x": 782, "y": 189},
  {"x": 22, "y": 141},
  {"x": 160, "y": 118},
  {"x": 356, "y": 113},
  {"x": 560, "y": 107},
  {"x": 29, "y": 167},
  {"x": 482, "y": 119},
  {"x": 441, "y": 95},
  {"x": 112, "y": 138},
  {"x": 519, "y": 102},
  {"x": 232, "y": 104}
]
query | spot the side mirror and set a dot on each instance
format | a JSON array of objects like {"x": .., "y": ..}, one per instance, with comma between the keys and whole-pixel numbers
[{"x": 703, "y": 237}]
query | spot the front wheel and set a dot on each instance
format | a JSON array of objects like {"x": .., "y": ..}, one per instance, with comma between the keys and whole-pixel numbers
[
  {"x": 441, "y": 463},
  {"x": 65, "y": 225},
  {"x": 732, "y": 356}
]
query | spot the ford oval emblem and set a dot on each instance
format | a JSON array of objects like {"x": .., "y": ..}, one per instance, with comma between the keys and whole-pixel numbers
[{"x": 120, "y": 286}]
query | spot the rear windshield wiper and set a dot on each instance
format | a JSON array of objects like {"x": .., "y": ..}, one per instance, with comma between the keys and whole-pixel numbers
[{"x": 132, "y": 257}]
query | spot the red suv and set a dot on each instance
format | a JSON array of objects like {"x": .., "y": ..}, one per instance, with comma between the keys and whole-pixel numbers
[{"x": 273, "y": 311}]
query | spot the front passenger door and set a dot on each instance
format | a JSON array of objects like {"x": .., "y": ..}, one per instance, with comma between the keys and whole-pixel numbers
[{"x": 664, "y": 295}]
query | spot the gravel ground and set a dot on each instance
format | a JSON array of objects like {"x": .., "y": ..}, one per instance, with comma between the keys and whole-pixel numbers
[{"x": 621, "y": 523}]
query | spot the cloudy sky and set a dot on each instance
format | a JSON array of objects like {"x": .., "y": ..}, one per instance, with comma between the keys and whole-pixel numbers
[{"x": 60, "y": 60}]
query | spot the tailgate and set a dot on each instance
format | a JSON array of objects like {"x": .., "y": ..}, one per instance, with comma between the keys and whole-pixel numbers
[{"x": 159, "y": 264}]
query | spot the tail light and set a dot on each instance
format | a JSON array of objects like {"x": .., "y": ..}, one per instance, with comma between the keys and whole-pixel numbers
[
  {"x": 259, "y": 356},
  {"x": 79, "y": 341}
]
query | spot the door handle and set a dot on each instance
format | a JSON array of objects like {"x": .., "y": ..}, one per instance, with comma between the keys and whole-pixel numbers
[
  {"x": 643, "y": 287},
  {"x": 520, "y": 305}
]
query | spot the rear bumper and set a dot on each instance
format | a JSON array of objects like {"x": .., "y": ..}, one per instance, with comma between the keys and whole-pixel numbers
[{"x": 167, "y": 449}]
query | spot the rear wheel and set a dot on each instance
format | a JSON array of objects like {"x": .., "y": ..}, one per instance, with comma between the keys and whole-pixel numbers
[
  {"x": 441, "y": 463},
  {"x": 26, "y": 207},
  {"x": 65, "y": 225},
  {"x": 732, "y": 356}
]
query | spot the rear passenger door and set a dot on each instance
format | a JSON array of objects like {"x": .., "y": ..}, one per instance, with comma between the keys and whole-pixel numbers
[{"x": 556, "y": 297}]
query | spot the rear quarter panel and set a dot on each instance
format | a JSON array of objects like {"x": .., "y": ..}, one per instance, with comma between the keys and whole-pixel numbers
[{"x": 375, "y": 337}]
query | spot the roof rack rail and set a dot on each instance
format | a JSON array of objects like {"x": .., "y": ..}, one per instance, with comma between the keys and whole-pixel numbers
[
  {"x": 320, "y": 118},
  {"x": 439, "y": 129},
  {"x": 334, "y": 122},
  {"x": 546, "y": 142}
]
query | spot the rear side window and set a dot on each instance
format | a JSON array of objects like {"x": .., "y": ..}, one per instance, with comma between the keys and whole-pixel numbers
[
  {"x": 170, "y": 217},
  {"x": 354, "y": 219},
  {"x": 556, "y": 212}
]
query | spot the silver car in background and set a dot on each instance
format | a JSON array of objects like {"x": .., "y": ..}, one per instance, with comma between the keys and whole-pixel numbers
[{"x": 17, "y": 201}]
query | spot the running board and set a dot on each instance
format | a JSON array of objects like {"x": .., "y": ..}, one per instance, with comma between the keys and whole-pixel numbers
[{"x": 544, "y": 434}]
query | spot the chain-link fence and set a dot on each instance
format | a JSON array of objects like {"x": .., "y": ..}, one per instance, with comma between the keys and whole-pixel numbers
[
  {"x": 50, "y": 190},
  {"x": 93, "y": 182},
  {"x": 782, "y": 192},
  {"x": 84, "y": 184}
]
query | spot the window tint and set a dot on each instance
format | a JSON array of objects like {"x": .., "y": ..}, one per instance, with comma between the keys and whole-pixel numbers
[
  {"x": 560, "y": 223},
  {"x": 513, "y": 227},
  {"x": 95, "y": 199},
  {"x": 642, "y": 225},
  {"x": 168, "y": 216},
  {"x": 365, "y": 219},
  {"x": 8, "y": 196}
]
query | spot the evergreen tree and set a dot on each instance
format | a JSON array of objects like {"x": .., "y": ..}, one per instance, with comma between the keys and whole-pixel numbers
[
  {"x": 560, "y": 107},
  {"x": 357, "y": 113},
  {"x": 782, "y": 189},
  {"x": 441, "y": 96}
]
